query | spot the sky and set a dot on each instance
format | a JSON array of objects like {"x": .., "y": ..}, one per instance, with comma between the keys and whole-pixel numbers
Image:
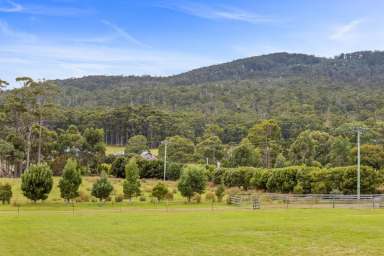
[{"x": 49, "y": 39}]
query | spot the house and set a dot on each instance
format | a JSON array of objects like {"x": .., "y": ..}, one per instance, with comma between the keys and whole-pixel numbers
[{"x": 148, "y": 156}]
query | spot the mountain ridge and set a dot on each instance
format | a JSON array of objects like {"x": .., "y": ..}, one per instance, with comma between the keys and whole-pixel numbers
[{"x": 356, "y": 67}]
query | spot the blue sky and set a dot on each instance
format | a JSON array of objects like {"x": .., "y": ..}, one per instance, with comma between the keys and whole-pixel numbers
[{"x": 72, "y": 38}]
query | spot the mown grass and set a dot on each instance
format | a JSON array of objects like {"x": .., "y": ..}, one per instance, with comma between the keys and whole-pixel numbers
[
  {"x": 178, "y": 228},
  {"x": 193, "y": 232},
  {"x": 110, "y": 149}
]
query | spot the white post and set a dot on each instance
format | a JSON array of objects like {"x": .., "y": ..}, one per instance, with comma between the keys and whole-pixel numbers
[
  {"x": 358, "y": 164},
  {"x": 165, "y": 158}
]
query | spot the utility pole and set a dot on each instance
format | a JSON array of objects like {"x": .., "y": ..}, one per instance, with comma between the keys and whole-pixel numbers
[
  {"x": 165, "y": 157},
  {"x": 359, "y": 131},
  {"x": 358, "y": 163}
]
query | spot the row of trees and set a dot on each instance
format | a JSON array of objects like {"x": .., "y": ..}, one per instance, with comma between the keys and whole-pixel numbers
[{"x": 37, "y": 183}]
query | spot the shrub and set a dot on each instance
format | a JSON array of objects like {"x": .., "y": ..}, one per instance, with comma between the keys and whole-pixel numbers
[
  {"x": 37, "y": 182},
  {"x": 217, "y": 176},
  {"x": 118, "y": 167},
  {"x": 142, "y": 198},
  {"x": 192, "y": 180},
  {"x": 131, "y": 185},
  {"x": 150, "y": 169},
  {"x": 119, "y": 198},
  {"x": 298, "y": 189},
  {"x": 104, "y": 167},
  {"x": 210, "y": 196},
  {"x": 5, "y": 193},
  {"x": 57, "y": 165},
  {"x": 102, "y": 188},
  {"x": 159, "y": 191},
  {"x": 83, "y": 197},
  {"x": 173, "y": 171},
  {"x": 70, "y": 182},
  {"x": 219, "y": 192},
  {"x": 260, "y": 178},
  {"x": 196, "y": 198},
  {"x": 169, "y": 196},
  {"x": 239, "y": 177}
]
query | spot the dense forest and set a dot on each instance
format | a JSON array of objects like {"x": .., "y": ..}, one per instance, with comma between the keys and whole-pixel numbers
[{"x": 267, "y": 111}]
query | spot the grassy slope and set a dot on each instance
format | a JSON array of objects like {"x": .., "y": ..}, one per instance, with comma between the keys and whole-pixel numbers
[{"x": 177, "y": 232}]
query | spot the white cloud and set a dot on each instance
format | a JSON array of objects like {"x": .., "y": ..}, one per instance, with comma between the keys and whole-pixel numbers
[
  {"x": 218, "y": 12},
  {"x": 10, "y": 6},
  {"x": 123, "y": 34},
  {"x": 343, "y": 31},
  {"x": 7, "y": 32},
  {"x": 51, "y": 60}
]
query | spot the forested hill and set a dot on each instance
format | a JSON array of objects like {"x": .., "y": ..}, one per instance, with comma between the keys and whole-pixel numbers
[{"x": 358, "y": 67}]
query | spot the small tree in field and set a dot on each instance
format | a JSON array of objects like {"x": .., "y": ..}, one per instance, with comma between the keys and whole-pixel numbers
[
  {"x": 37, "y": 182},
  {"x": 160, "y": 191},
  {"x": 70, "y": 181},
  {"x": 102, "y": 187},
  {"x": 193, "y": 180},
  {"x": 220, "y": 190},
  {"x": 131, "y": 186},
  {"x": 5, "y": 193}
]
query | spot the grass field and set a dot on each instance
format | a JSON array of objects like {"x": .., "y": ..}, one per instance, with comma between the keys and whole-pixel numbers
[
  {"x": 114, "y": 149},
  {"x": 110, "y": 149},
  {"x": 177, "y": 228},
  {"x": 137, "y": 231}
]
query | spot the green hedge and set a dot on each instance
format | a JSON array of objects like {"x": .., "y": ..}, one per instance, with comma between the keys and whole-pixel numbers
[
  {"x": 155, "y": 169},
  {"x": 300, "y": 179}
]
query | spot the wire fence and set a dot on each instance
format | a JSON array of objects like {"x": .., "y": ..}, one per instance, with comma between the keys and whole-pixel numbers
[{"x": 270, "y": 200}]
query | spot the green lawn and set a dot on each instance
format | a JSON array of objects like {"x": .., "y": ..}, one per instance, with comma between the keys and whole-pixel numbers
[
  {"x": 114, "y": 149},
  {"x": 192, "y": 231},
  {"x": 147, "y": 228}
]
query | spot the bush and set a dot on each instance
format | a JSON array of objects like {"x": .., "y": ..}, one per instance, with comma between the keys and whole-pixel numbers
[
  {"x": 239, "y": 177},
  {"x": 169, "y": 196},
  {"x": 196, "y": 198},
  {"x": 37, "y": 182},
  {"x": 131, "y": 185},
  {"x": 154, "y": 169},
  {"x": 217, "y": 176},
  {"x": 5, "y": 193},
  {"x": 57, "y": 165},
  {"x": 102, "y": 188},
  {"x": 210, "y": 197},
  {"x": 282, "y": 180},
  {"x": 104, "y": 167},
  {"x": 142, "y": 198},
  {"x": 220, "y": 192},
  {"x": 159, "y": 191},
  {"x": 119, "y": 198},
  {"x": 193, "y": 180},
  {"x": 70, "y": 182},
  {"x": 118, "y": 167},
  {"x": 83, "y": 197},
  {"x": 173, "y": 171},
  {"x": 298, "y": 189},
  {"x": 260, "y": 178}
]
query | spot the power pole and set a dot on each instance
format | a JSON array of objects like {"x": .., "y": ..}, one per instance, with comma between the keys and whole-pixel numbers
[
  {"x": 358, "y": 163},
  {"x": 165, "y": 157},
  {"x": 359, "y": 131}
]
